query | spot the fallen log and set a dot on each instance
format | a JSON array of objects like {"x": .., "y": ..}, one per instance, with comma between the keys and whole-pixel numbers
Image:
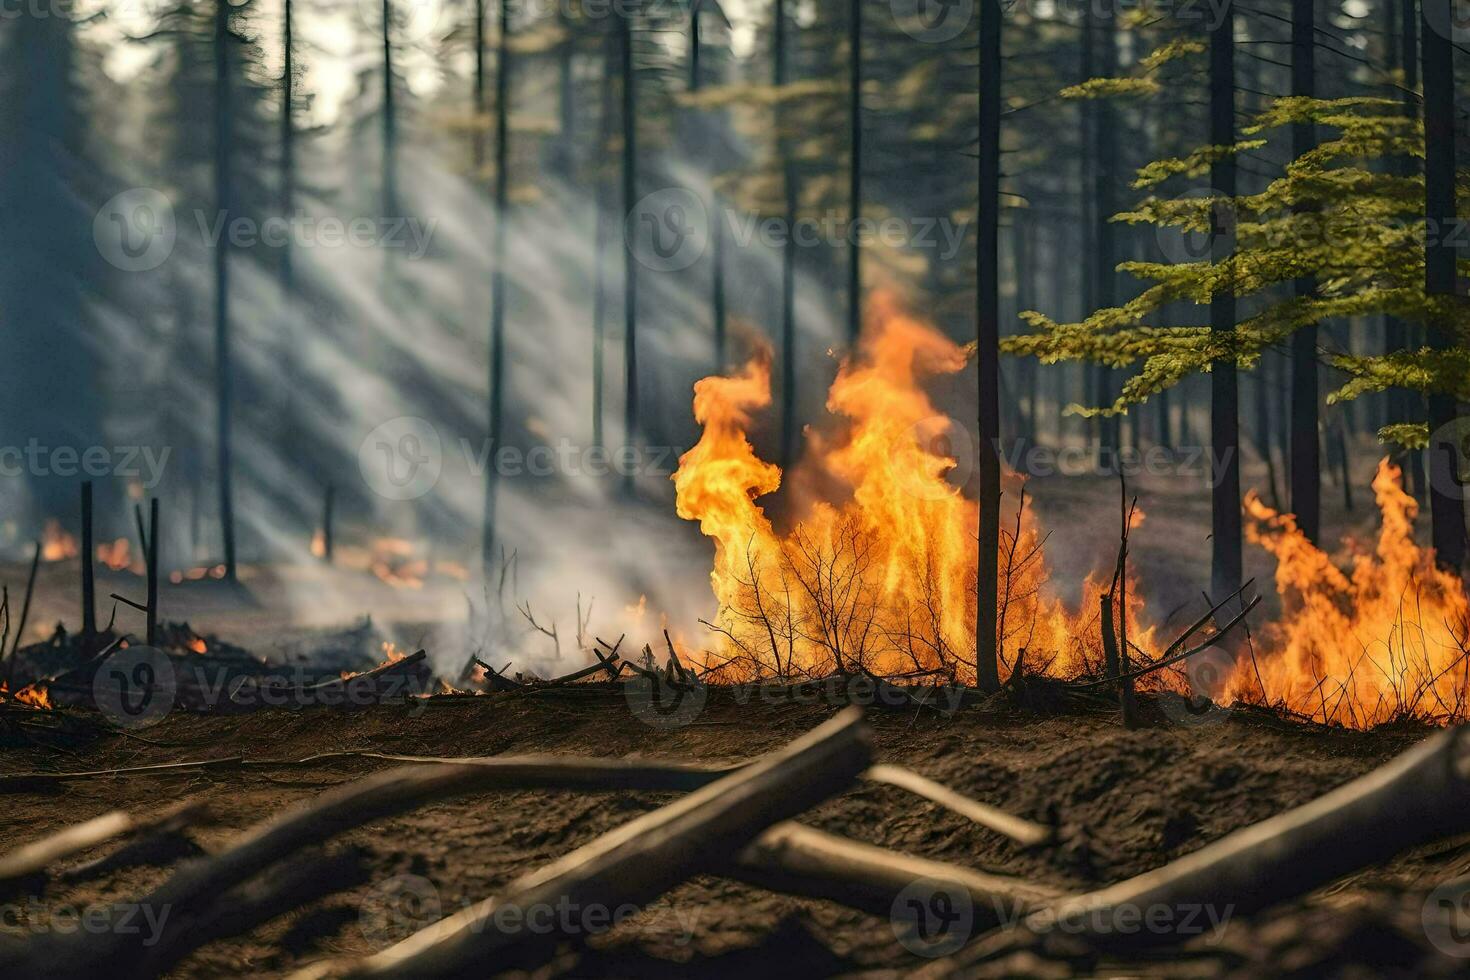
[
  {"x": 631, "y": 865},
  {"x": 1022, "y": 831},
  {"x": 34, "y": 858},
  {"x": 1421, "y": 796},
  {"x": 797, "y": 860}
]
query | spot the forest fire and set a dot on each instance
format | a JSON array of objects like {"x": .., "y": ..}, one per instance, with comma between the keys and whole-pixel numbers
[
  {"x": 880, "y": 576},
  {"x": 1387, "y": 640}
]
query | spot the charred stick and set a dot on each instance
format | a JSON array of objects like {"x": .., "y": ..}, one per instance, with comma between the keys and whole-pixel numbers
[
  {"x": 89, "y": 588},
  {"x": 153, "y": 546},
  {"x": 634, "y": 863},
  {"x": 799, "y": 860},
  {"x": 1022, "y": 831},
  {"x": 25, "y": 612}
]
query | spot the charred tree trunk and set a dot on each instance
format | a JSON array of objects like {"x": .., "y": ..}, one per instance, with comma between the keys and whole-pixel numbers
[
  {"x": 477, "y": 149},
  {"x": 855, "y": 167},
  {"x": 390, "y": 119},
  {"x": 224, "y": 201},
  {"x": 599, "y": 250},
  {"x": 1446, "y": 501},
  {"x": 780, "y": 76},
  {"x": 1306, "y": 461},
  {"x": 498, "y": 279},
  {"x": 1105, "y": 167},
  {"x": 716, "y": 225},
  {"x": 630, "y": 264},
  {"x": 1413, "y": 403},
  {"x": 1225, "y": 570},
  {"x": 987, "y": 336}
]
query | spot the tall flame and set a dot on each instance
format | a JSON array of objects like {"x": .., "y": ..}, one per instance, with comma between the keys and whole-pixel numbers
[
  {"x": 1384, "y": 641},
  {"x": 880, "y": 572}
]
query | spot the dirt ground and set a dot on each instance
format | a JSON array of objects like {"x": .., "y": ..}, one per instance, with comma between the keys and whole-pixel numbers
[{"x": 1127, "y": 801}]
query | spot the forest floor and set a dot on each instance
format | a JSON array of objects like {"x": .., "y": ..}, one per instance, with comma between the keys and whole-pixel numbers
[{"x": 1127, "y": 801}]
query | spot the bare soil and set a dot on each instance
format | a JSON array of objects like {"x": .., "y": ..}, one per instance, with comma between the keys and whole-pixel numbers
[{"x": 1128, "y": 800}]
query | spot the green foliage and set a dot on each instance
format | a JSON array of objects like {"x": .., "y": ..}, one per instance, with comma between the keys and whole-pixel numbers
[{"x": 1355, "y": 229}]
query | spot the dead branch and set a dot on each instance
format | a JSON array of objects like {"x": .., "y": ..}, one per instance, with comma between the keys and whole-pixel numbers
[
  {"x": 636, "y": 862},
  {"x": 1024, "y": 832},
  {"x": 1419, "y": 797},
  {"x": 35, "y": 857},
  {"x": 799, "y": 860}
]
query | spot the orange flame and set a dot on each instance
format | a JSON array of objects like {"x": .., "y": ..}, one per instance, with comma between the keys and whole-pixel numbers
[
  {"x": 117, "y": 555},
  {"x": 57, "y": 544},
  {"x": 1385, "y": 641},
  {"x": 35, "y": 695},
  {"x": 880, "y": 573}
]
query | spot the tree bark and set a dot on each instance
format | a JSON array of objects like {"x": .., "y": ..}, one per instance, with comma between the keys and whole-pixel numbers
[
  {"x": 224, "y": 201},
  {"x": 987, "y": 336},
  {"x": 1225, "y": 569},
  {"x": 1306, "y": 459},
  {"x": 1447, "y": 506},
  {"x": 497, "y": 282}
]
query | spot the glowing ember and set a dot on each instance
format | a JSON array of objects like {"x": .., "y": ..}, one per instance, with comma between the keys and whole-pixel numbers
[
  {"x": 56, "y": 543},
  {"x": 197, "y": 574},
  {"x": 879, "y": 571},
  {"x": 1384, "y": 641},
  {"x": 319, "y": 543},
  {"x": 197, "y": 645},
  {"x": 393, "y": 560},
  {"x": 117, "y": 555}
]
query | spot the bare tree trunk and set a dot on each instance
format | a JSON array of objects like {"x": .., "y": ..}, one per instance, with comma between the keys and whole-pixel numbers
[
  {"x": 987, "y": 336},
  {"x": 498, "y": 281},
  {"x": 1225, "y": 568},
  {"x": 855, "y": 168},
  {"x": 224, "y": 200},
  {"x": 780, "y": 76},
  {"x": 1447, "y": 505},
  {"x": 1105, "y": 167},
  {"x": 1306, "y": 461},
  {"x": 630, "y": 263}
]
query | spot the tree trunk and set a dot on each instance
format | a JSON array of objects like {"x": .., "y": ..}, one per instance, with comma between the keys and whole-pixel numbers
[
  {"x": 599, "y": 252},
  {"x": 1305, "y": 461},
  {"x": 1413, "y": 402},
  {"x": 1105, "y": 168},
  {"x": 1446, "y": 500},
  {"x": 780, "y": 76},
  {"x": 478, "y": 146},
  {"x": 224, "y": 201},
  {"x": 498, "y": 281},
  {"x": 987, "y": 337},
  {"x": 1225, "y": 568},
  {"x": 855, "y": 168},
  {"x": 630, "y": 263}
]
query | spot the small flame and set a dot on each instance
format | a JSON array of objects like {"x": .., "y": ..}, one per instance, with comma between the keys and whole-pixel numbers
[
  {"x": 197, "y": 644},
  {"x": 35, "y": 695},
  {"x": 56, "y": 543},
  {"x": 319, "y": 543},
  {"x": 117, "y": 555},
  {"x": 394, "y": 562}
]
